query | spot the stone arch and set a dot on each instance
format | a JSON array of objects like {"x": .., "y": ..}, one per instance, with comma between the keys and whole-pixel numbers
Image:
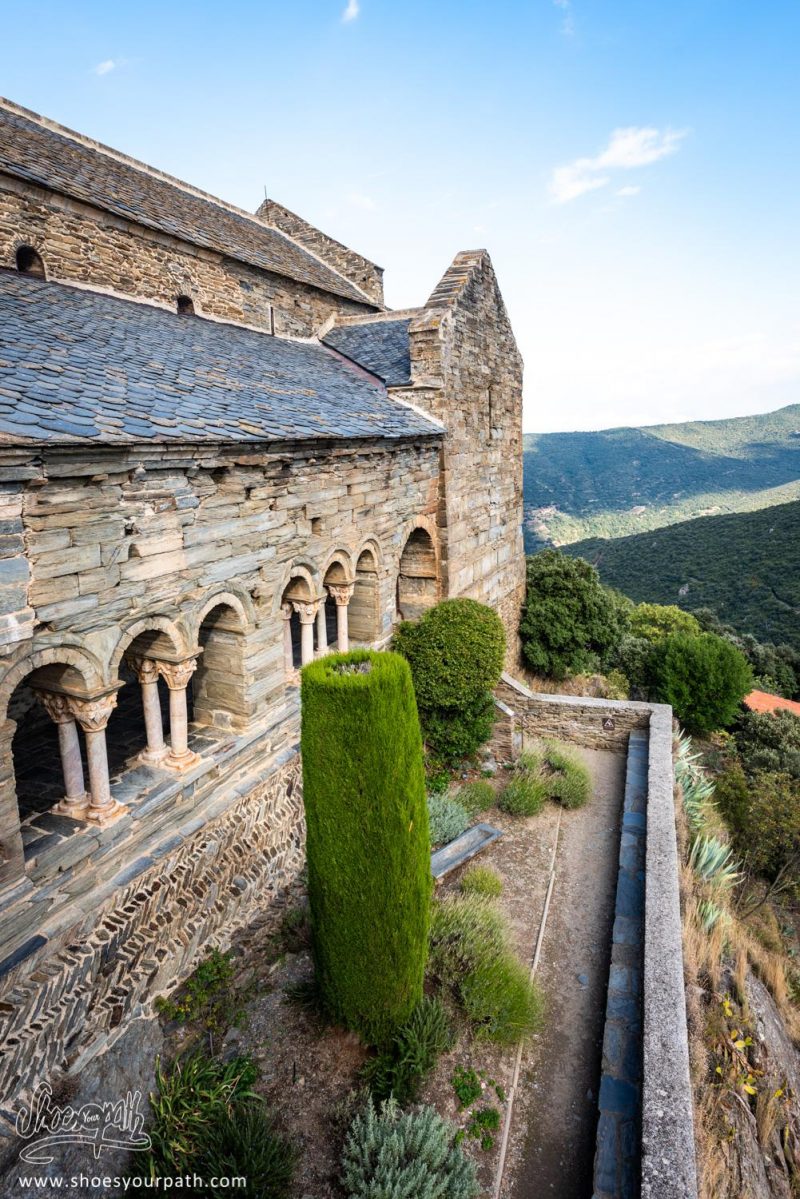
[
  {"x": 236, "y": 598},
  {"x": 418, "y": 571},
  {"x": 338, "y": 567},
  {"x": 81, "y": 671},
  {"x": 60, "y": 668},
  {"x": 299, "y": 591},
  {"x": 364, "y": 607},
  {"x": 157, "y": 633},
  {"x": 29, "y": 261},
  {"x": 219, "y": 684},
  {"x": 299, "y": 581}
]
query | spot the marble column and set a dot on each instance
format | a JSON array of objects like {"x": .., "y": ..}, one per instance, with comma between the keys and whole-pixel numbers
[
  {"x": 146, "y": 671},
  {"x": 288, "y": 656},
  {"x": 307, "y": 611},
  {"x": 176, "y": 675},
  {"x": 322, "y": 629},
  {"x": 93, "y": 716},
  {"x": 76, "y": 798},
  {"x": 342, "y": 594}
]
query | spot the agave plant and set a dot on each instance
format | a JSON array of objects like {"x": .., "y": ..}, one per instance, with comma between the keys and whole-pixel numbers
[
  {"x": 709, "y": 914},
  {"x": 697, "y": 792},
  {"x": 714, "y": 863}
]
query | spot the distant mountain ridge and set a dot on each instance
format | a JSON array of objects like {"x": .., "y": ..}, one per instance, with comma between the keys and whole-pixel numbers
[
  {"x": 745, "y": 566},
  {"x": 621, "y": 481}
]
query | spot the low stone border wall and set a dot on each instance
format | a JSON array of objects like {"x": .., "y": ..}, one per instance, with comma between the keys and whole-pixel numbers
[
  {"x": 67, "y": 997},
  {"x": 668, "y": 1167},
  {"x": 618, "y": 1157}
]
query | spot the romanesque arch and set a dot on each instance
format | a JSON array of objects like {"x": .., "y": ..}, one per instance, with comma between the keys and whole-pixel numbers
[
  {"x": 418, "y": 574},
  {"x": 365, "y": 605}
]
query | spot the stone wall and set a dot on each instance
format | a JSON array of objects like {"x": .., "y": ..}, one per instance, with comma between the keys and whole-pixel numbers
[
  {"x": 88, "y": 247},
  {"x": 109, "y": 546},
  {"x": 139, "y": 925},
  {"x": 467, "y": 372},
  {"x": 347, "y": 262},
  {"x": 580, "y": 720}
]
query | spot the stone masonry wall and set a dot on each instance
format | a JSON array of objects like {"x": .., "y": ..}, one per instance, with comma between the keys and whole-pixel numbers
[
  {"x": 467, "y": 372},
  {"x": 134, "y": 936},
  {"x": 85, "y": 246},
  {"x": 347, "y": 262},
  {"x": 104, "y": 544},
  {"x": 579, "y": 720}
]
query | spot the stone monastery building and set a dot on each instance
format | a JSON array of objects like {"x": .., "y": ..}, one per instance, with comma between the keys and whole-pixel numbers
[{"x": 220, "y": 455}]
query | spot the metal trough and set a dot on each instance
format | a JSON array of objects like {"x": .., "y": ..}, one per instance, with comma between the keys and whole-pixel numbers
[{"x": 464, "y": 847}]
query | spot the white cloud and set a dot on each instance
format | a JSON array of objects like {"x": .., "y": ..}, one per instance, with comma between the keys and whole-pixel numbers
[
  {"x": 351, "y": 11},
  {"x": 105, "y": 67},
  {"x": 630, "y": 190},
  {"x": 568, "y": 24},
  {"x": 635, "y": 146},
  {"x": 359, "y": 200}
]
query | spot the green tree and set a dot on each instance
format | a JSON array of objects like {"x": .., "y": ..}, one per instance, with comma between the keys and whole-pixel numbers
[
  {"x": 769, "y": 741},
  {"x": 367, "y": 843},
  {"x": 570, "y": 622},
  {"x": 769, "y": 841},
  {"x": 654, "y": 621},
  {"x": 704, "y": 678},
  {"x": 456, "y": 652}
]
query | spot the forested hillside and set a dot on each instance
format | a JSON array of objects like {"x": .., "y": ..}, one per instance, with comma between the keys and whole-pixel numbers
[
  {"x": 621, "y": 481},
  {"x": 746, "y": 567}
]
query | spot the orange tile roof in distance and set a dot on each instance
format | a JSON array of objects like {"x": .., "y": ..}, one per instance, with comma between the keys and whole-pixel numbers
[{"x": 762, "y": 701}]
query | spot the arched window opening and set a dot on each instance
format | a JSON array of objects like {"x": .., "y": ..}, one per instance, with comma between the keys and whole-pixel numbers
[
  {"x": 364, "y": 615},
  {"x": 185, "y": 306},
  {"x": 417, "y": 583},
  {"x": 29, "y": 262},
  {"x": 219, "y": 684},
  {"x": 299, "y": 609},
  {"x": 49, "y": 765}
]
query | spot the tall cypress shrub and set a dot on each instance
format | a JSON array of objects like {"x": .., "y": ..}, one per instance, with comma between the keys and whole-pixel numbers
[{"x": 368, "y": 847}]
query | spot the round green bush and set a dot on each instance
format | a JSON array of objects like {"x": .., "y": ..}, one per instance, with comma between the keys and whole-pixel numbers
[
  {"x": 455, "y": 733},
  {"x": 367, "y": 843},
  {"x": 482, "y": 880},
  {"x": 569, "y": 781},
  {"x": 570, "y": 621},
  {"x": 476, "y": 797},
  {"x": 446, "y": 818},
  {"x": 389, "y": 1154},
  {"x": 703, "y": 678},
  {"x": 471, "y": 955},
  {"x": 523, "y": 795},
  {"x": 455, "y": 651}
]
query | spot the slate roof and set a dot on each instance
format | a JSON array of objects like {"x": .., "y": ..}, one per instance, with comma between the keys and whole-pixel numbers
[
  {"x": 78, "y": 366},
  {"x": 378, "y": 346},
  {"x": 62, "y": 163}
]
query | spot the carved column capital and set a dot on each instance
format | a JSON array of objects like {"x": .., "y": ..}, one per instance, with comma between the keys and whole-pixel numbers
[
  {"x": 287, "y": 611},
  {"x": 307, "y": 611},
  {"x": 341, "y": 592},
  {"x": 145, "y": 669},
  {"x": 177, "y": 674},
  {"x": 93, "y": 714},
  {"x": 56, "y": 705}
]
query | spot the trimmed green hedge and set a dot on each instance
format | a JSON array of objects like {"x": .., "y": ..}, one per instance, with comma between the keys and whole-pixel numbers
[
  {"x": 368, "y": 845},
  {"x": 456, "y": 652}
]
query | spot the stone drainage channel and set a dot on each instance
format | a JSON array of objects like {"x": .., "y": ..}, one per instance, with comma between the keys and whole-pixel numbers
[{"x": 617, "y": 1117}]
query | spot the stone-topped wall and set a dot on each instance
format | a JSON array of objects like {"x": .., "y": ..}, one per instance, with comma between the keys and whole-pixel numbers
[
  {"x": 114, "y": 543},
  {"x": 580, "y": 720},
  {"x": 347, "y": 262},
  {"x": 467, "y": 372},
  {"x": 88, "y": 247},
  {"x": 100, "y": 953}
]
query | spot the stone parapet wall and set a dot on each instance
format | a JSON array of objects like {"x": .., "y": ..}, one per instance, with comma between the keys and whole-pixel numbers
[
  {"x": 85, "y": 246},
  {"x": 119, "y": 944},
  {"x": 580, "y": 720},
  {"x": 668, "y": 1165},
  {"x": 347, "y": 262}
]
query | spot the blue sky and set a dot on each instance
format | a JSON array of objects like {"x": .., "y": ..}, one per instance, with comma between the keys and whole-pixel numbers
[{"x": 631, "y": 167}]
